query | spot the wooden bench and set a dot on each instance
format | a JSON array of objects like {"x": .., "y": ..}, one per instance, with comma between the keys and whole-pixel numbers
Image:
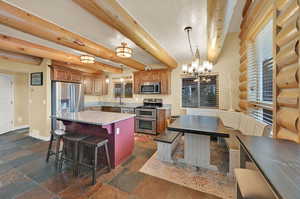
[
  {"x": 251, "y": 185},
  {"x": 166, "y": 145}
]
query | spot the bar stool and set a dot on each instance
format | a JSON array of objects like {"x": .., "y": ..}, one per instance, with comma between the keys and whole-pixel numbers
[
  {"x": 94, "y": 143},
  {"x": 70, "y": 150},
  {"x": 56, "y": 135}
]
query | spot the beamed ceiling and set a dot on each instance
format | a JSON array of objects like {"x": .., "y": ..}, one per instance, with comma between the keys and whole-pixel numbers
[{"x": 162, "y": 21}]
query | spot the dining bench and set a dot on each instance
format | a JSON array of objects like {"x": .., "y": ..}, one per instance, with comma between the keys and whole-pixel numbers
[
  {"x": 238, "y": 123},
  {"x": 166, "y": 145},
  {"x": 250, "y": 184},
  {"x": 234, "y": 123}
]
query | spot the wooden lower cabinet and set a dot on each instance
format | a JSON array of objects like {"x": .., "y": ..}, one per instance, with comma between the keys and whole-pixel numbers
[{"x": 163, "y": 115}]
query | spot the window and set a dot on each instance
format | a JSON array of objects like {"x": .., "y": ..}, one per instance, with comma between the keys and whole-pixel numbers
[
  {"x": 123, "y": 90},
  {"x": 260, "y": 75},
  {"x": 200, "y": 92}
]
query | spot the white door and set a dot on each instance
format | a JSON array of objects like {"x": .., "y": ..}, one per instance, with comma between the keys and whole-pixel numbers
[{"x": 6, "y": 103}]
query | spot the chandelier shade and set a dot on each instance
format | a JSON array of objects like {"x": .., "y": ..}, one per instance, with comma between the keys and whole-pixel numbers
[
  {"x": 123, "y": 51},
  {"x": 87, "y": 59}
]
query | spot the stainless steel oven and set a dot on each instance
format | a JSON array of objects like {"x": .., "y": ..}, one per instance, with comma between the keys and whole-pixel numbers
[
  {"x": 145, "y": 112},
  {"x": 150, "y": 88},
  {"x": 145, "y": 125},
  {"x": 146, "y": 116}
]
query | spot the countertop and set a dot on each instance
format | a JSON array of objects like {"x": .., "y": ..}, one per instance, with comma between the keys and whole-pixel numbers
[
  {"x": 94, "y": 117},
  {"x": 125, "y": 105}
]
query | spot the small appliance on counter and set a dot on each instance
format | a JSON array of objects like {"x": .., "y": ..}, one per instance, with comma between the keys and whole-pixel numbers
[
  {"x": 147, "y": 116},
  {"x": 150, "y": 88},
  {"x": 65, "y": 97}
]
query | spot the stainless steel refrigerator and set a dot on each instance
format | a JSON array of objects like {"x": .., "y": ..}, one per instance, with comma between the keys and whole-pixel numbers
[{"x": 66, "y": 97}]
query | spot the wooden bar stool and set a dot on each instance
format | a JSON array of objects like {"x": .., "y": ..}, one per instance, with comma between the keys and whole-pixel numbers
[
  {"x": 70, "y": 150},
  {"x": 56, "y": 135},
  {"x": 94, "y": 143}
]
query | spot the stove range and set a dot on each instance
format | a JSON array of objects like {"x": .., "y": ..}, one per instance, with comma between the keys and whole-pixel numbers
[{"x": 146, "y": 116}]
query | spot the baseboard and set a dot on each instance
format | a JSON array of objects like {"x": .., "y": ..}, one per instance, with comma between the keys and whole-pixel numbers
[
  {"x": 35, "y": 134},
  {"x": 20, "y": 127}
]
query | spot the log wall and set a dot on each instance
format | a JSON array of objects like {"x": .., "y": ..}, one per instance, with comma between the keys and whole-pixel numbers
[
  {"x": 286, "y": 73},
  {"x": 286, "y": 49}
]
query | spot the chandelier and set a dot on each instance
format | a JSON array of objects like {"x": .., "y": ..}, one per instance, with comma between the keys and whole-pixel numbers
[
  {"x": 123, "y": 51},
  {"x": 87, "y": 59},
  {"x": 196, "y": 67}
]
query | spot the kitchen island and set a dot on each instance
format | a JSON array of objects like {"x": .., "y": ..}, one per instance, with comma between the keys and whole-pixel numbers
[{"x": 117, "y": 127}]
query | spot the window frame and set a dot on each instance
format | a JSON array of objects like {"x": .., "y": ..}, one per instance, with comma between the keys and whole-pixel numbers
[{"x": 198, "y": 90}]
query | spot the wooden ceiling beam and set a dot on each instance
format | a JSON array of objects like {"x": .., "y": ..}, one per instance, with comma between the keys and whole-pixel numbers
[
  {"x": 28, "y": 23},
  {"x": 111, "y": 13},
  {"x": 216, "y": 28},
  {"x": 20, "y": 46},
  {"x": 21, "y": 58},
  {"x": 75, "y": 67}
]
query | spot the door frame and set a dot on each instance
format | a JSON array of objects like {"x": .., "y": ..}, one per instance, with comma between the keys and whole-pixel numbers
[{"x": 12, "y": 82}]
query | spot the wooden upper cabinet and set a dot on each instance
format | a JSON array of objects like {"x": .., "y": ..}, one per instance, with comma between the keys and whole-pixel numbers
[
  {"x": 98, "y": 83},
  {"x": 88, "y": 85},
  {"x": 95, "y": 85},
  {"x": 75, "y": 77},
  {"x": 65, "y": 75},
  {"x": 59, "y": 75},
  {"x": 104, "y": 86},
  {"x": 162, "y": 75}
]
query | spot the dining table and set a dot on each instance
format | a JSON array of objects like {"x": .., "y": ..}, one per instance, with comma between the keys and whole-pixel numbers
[
  {"x": 197, "y": 132},
  {"x": 278, "y": 161}
]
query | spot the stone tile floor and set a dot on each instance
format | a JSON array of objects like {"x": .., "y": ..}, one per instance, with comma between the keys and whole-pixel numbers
[{"x": 24, "y": 174}]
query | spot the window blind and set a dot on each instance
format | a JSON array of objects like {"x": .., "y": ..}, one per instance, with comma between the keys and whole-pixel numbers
[
  {"x": 198, "y": 93},
  {"x": 260, "y": 76}
]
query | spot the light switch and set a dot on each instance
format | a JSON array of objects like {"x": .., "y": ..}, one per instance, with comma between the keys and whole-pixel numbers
[{"x": 118, "y": 131}]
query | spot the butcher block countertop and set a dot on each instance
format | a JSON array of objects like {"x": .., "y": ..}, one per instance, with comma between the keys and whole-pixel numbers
[{"x": 94, "y": 117}]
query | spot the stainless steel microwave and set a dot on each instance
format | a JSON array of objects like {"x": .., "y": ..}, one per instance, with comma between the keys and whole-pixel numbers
[{"x": 150, "y": 88}]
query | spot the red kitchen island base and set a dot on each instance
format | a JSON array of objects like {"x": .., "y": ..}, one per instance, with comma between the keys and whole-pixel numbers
[{"x": 119, "y": 133}]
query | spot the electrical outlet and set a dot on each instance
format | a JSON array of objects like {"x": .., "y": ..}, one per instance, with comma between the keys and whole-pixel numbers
[{"x": 118, "y": 131}]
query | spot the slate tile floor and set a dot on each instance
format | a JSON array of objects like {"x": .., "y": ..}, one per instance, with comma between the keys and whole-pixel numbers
[{"x": 24, "y": 174}]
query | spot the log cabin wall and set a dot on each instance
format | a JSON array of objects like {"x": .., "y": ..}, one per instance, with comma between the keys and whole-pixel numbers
[
  {"x": 286, "y": 73},
  {"x": 286, "y": 35}
]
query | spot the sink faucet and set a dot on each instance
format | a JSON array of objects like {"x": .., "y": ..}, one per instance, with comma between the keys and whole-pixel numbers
[{"x": 121, "y": 103}]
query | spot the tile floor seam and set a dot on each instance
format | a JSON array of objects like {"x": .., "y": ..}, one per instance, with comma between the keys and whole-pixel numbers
[{"x": 36, "y": 183}]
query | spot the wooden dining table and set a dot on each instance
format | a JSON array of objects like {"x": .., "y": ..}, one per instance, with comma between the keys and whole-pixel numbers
[{"x": 197, "y": 132}]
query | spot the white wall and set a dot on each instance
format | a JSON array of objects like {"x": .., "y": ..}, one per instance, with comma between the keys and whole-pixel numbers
[
  {"x": 32, "y": 103},
  {"x": 227, "y": 68}
]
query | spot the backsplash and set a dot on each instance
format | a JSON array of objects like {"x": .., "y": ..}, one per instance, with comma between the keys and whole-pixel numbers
[{"x": 101, "y": 103}]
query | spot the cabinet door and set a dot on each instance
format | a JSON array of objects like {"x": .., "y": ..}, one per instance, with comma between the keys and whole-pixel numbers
[
  {"x": 104, "y": 86},
  {"x": 60, "y": 75},
  {"x": 75, "y": 77},
  {"x": 165, "y": 77},
  {"x": 136, "y": 83},
  {"x": 98, "y": 86},
  {"x": 88, "y": 85}
]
